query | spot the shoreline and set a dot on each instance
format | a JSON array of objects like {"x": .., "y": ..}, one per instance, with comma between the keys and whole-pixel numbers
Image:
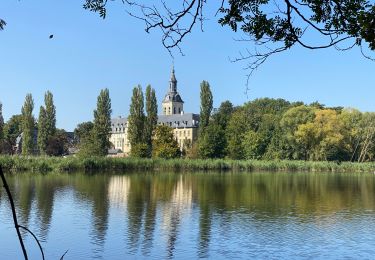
[{"x": 71, "y": 164}]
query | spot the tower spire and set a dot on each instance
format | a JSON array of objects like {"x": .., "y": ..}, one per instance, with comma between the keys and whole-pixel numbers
[
  {"x": 172, "y": 103},
  {"x": 173, "y": 81}
]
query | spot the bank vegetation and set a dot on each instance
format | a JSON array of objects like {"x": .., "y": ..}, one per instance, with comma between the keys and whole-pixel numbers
[{"x": 107, "y": 164}]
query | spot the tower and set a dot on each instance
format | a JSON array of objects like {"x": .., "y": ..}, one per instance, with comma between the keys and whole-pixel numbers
[{"x": 172, "y": 102}]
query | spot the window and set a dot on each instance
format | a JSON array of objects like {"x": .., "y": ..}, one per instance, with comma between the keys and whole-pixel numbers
[
  {"x": 174, "y": 110},
  {"x": 179, "y": 110}
]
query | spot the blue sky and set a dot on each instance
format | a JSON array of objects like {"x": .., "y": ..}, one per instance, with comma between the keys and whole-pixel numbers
[{"x": 88, "y": 54}]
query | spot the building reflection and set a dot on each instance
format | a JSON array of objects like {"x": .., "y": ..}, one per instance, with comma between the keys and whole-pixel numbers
[
  {"x": 178, "y": 208},
  {"x": 118, "y": 191}
]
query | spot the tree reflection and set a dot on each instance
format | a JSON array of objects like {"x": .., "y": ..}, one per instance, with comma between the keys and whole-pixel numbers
[
  {"x": 155, "y": 208},
  {"x": 94, "y": 188},
  {"x": 25, "y": 191},
  {"x": 45, "y": 194}
]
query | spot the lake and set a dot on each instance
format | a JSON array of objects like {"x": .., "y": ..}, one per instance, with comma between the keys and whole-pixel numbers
[{"x": 192, "y": 215}]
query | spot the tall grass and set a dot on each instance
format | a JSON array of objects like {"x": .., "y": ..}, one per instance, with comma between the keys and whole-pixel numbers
[{"x": 59, "y": 164}]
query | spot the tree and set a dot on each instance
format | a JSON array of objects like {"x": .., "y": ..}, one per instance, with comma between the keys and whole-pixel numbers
[
  {"x": 289, "y": 123},
  {"x": 215, "y": 139},
  {"x": 57, "y": 144},
  {"x": 137, "y": 124},
  {"x": 42, "y": 131},
  {"x": 151, "y": 118},
  {"x": 223, "y": 114},
  {"x": 367, "y": 137},
  {"x": 1, "y": 128},
  {"x": 352, "y": 122},
  {"x": 252, "y": 143},
  {"x": 212, "y": 143},
  {"x": 102, "y": 123},
  {"x": 274, "y": 26},
  {"x": 12, "y": 130},
  {"x": 164, "y": 144},
  {"x": 206, "y": 105},
  {"x": 322, "y": 139},
  {"x": 82, "y": 131},
  {"x": 28, "y": 124},
  {"x": 235, "y": 132},
  {"x": 50, "y": 111}
]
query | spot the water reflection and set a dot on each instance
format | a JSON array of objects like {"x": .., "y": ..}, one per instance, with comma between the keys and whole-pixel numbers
[{"x": 169, "y": 215}]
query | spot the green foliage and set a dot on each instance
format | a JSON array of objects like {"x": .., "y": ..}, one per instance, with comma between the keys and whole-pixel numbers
[
  {"x": 46, "y": 123},
  {"x": 206, "y": 105},
  {"x": 57, "y": 144},
  {"x": 42, "y": 131},
  {"x": 102, "y": 164},
  {"x": 82, "y": 131},
  {"x": 102, "y": 124},
  {"x": 136, "y": 121},
  {"x": 289, "y": 123},
  {"x": 264, "y": 20},
  {"x": 12, "y": 130},
  {"x": 141, "y": 150},
  {"x": 252, "y": 143},
  {"x": 223, "y": 114},
  {"x": 28, "y": 126},
  {"x": 212, "y": 142},
  {"x": 151, "y": 118},
  {"x": 164, "y": 144},
  {"x": 235, "y": 132},
  {"x": 50, "y": 111},
  {"x": 88, "y": 146},
  {"x": 1, "y": 128}
]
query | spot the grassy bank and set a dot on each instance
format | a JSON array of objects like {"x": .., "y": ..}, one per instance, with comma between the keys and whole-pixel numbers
[{"x": 58, "y": 164}]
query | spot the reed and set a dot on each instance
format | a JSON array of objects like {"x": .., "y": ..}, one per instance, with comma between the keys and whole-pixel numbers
[{"x": 105, "y": 164}]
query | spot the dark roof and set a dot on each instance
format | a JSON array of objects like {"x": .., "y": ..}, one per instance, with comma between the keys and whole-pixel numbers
[
  {"x": 172, "y": 96},
  {"x": 118, "y": 122},
  {"x": 175, "y": 120},
  {"x": 179, "y": 120}
]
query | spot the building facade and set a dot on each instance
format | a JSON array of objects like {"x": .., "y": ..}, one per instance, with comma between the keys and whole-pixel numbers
[{"x": 185, "y": 125}]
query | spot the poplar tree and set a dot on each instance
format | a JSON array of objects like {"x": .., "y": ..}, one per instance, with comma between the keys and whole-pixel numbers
[
  {"x": 137, "y": 124},
  {"x": 1, "y": 127},
  {"x": 28, "y": 126},
  {"x": 42, "y": 131},
  {"x": 152, "y": 117},
  {"x": 206, "y": 105},
  {"x": 102, "y": 124},
  {"x": 205, "y": 145},
  {"x": 50, "y": 111}
]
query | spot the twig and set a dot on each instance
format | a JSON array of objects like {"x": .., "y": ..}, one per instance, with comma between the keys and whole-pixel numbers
[
  {"x": 16, "y": 225},
  {"x": 5, "y": 184},
  {"x": 62, "y": 257},
  {"x": 36, "y": 239}
]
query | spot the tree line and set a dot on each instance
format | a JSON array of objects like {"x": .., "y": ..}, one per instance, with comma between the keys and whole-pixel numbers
[
  {"x": 264, "y": 129},
  {"x": 270, "y": 129},
  {"x": 38, "y": 136}
]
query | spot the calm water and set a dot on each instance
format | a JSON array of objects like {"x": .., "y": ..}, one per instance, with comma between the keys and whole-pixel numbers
[{"x": 189, "y": 216}]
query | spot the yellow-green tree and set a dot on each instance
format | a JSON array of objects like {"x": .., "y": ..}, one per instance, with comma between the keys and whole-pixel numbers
[
  {"x": 164, "y": 145},
  {"x": 289, "y": 124},
  {"x": 322, "y": 139}
]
